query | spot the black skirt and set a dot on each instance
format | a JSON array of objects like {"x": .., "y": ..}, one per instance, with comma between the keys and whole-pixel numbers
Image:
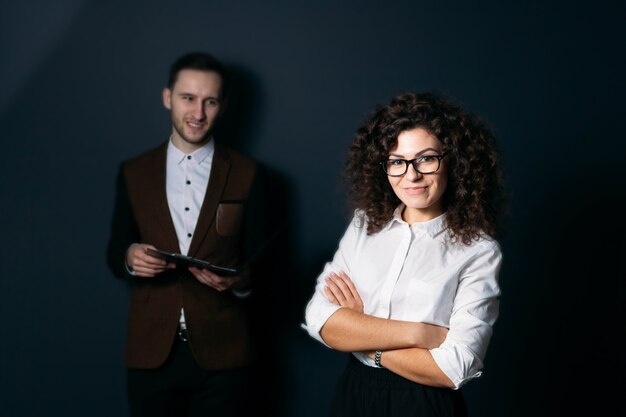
[{"x": 364, "y": 391}]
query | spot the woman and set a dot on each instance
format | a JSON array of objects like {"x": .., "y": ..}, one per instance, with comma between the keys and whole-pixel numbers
[{"x": 412, "y": 290}]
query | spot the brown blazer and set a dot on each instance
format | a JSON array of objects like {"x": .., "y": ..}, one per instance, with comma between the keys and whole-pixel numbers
[{"x": 217, "y": 323}]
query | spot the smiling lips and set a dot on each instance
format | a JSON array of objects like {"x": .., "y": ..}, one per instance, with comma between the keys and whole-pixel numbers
[
  {"x": 195, "y": 125},
  {"x": 415, "y": 190}
]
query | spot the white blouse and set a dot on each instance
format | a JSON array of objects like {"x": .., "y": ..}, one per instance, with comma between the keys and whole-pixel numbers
[{"x": 414, "y": 273}]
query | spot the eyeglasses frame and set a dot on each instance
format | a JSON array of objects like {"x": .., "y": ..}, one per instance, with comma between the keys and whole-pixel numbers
[{"x": 412, "y": 162}]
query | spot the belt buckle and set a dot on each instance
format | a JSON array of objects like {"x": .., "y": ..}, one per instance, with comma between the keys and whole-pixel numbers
[{"x": 182, "y": 333}]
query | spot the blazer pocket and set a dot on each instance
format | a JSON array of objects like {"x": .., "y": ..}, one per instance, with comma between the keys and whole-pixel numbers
[{"x": 229, "y": 218}]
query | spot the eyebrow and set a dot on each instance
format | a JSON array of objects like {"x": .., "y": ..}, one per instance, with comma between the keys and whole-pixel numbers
[
  {"x": 417, "y": 154},
  {"x": 194, "y": 95}
]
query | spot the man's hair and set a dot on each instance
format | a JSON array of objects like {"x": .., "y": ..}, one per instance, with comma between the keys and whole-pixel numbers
[{"x": 200, "y": 61}]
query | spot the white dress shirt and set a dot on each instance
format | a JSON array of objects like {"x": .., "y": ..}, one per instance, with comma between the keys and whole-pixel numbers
[
  {"x": 414, "y": 273},
  {"x": 187, "y": 178}
]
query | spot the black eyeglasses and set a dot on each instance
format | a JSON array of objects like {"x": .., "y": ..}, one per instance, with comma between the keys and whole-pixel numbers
[{"x": 425, "y": 164}]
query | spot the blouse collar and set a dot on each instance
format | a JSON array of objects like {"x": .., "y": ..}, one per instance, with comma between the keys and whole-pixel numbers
[{"x": 433, "y": 226}]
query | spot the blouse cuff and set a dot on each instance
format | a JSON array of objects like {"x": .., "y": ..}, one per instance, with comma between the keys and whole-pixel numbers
[
  {"x": 315, "y": 320},
  {"x": 458, "y": 364}
]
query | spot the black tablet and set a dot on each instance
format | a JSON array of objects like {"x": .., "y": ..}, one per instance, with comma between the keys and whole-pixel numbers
[{"x": 186, "y": 261}]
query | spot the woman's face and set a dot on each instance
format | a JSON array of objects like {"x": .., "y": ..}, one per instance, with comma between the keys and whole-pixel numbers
[{"x": 421, "y": 193}]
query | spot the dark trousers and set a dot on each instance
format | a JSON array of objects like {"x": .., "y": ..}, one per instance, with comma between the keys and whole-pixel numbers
[
  {"x": 181, "y": 388},
  {"x": 363, "y": 391}
]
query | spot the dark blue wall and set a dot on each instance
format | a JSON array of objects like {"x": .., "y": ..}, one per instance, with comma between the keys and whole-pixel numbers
[{"x": 80, "y": 87}]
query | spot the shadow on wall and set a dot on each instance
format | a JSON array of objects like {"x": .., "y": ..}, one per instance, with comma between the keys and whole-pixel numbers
[
  {"x": 293, "y": 371},
  {"x": 243, "y": 104},
  {"x": 274, "y": 277},
  {"x": 570, "y": 350},
  {"x": 270, "y": 307}
]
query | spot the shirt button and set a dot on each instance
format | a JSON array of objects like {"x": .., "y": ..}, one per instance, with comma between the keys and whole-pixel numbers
[
  {"x": 188, "y": 182},
  {"x": 188, "y": 234},
  {"x": 186, "y": 208},
  {"x": 188, "y": 156}
]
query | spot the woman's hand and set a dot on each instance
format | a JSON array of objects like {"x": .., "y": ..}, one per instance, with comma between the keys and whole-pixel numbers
[{"x": 340, "y": 290}]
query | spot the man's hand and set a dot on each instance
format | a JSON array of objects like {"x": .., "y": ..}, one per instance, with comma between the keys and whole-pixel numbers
[
  {"x": 218, "y": 282},
  {"x": 144, "y": 265},
  {"x": 340, "y": 290}
]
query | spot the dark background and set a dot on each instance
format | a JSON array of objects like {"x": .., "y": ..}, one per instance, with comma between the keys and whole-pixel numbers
[{"x": 80, "y": 90}]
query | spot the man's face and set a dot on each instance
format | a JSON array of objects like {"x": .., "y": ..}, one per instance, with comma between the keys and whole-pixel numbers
[{"x": 194, "y": 102}]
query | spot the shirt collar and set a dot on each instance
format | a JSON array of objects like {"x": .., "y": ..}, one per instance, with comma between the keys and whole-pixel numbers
[
  {"x": 433, "y": 227},
  {"x": 199, "y": 155}
]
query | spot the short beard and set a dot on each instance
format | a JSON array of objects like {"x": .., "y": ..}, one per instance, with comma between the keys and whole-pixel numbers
[{"x": 181, "y": 133}]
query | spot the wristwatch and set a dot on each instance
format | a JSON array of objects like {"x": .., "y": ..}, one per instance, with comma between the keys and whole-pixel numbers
[{"x": 377, "y": 356}]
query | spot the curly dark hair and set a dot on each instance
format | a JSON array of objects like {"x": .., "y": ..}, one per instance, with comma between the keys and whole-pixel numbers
[{"x": 474, "y": 193}]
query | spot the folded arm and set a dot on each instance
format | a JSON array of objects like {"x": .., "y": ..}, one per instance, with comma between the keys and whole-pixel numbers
[
  {"x": 405, "y": 344},
  {"x": 415, "y": 364}
]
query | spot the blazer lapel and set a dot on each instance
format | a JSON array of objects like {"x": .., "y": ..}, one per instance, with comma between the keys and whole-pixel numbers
[
  {"x": 156, "y": 192},
  {"x": 220, "y": 170}
]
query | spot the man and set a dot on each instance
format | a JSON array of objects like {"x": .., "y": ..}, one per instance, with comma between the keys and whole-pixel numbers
[{"x": 189, "y": 348}]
